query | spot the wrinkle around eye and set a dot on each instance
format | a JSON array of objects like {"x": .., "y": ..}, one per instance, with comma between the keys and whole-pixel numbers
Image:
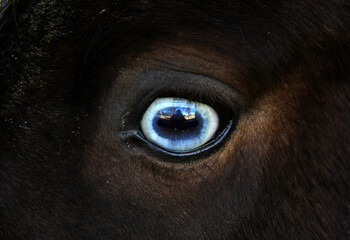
[{"x": 203, "y": 59}]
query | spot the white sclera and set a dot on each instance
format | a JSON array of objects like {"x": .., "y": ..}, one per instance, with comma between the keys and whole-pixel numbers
[{"x": 208, "y": 115}]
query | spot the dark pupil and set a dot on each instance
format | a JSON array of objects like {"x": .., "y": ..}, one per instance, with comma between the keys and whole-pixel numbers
[{"x": 177, "y": 118}]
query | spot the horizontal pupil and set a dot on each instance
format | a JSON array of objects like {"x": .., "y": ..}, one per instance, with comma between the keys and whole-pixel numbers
[
  {"x": 175, "y": 118},
  {"x": 177, "y": 123}
]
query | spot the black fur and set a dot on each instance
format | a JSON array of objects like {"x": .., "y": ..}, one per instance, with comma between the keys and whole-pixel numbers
[{"x": 73, "y": 73}]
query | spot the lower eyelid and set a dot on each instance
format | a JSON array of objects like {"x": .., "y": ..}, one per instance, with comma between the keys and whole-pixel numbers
[
  {"x": 207, "y": 149},
  {"x": 135, "y": 141}
]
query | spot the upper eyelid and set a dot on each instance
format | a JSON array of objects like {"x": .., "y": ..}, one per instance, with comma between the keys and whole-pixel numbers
[{"x": 209, "y": 87}]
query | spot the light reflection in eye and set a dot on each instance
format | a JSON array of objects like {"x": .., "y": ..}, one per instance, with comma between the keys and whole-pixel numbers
[{"x": 178, "y": 124}]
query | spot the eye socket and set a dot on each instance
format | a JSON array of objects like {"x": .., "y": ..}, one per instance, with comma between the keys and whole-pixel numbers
[
  {"x": 135, "y": 129},
  {"x": 179, "y": 125}
]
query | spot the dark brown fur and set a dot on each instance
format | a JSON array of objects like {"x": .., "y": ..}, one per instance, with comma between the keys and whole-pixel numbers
[{"x": 73, "y": 73}]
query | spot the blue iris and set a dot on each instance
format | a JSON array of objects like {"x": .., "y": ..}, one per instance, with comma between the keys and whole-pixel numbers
[{"x": 178, "y": 124}]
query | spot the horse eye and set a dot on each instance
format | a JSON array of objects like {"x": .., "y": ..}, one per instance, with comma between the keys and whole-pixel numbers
[{"x": 179, "y": 125}]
